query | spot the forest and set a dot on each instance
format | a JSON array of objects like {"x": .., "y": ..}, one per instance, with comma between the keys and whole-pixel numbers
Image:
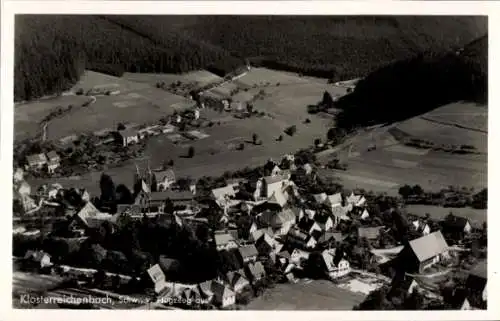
[
  {"x": 52, "y": 51},
  {"x": 416, "y": 85}
]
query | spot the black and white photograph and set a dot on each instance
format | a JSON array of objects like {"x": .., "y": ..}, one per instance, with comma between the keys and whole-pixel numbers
[{"x": 249, "y": 162}]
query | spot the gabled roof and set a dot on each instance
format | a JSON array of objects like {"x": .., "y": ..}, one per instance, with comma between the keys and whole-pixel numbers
[
  {"x": 256, "y": 269},
  {"x": 206, "y": 288},
  {"x": 355, "y": 199},
  {"x": 455, "y": 222},
  {"x": 370, "y": 233},
  {"x": 156, "y": 273},
  {"x": 306, "y": 224},
  {"x": 331, "y": 236},
  {"x": 298, "y": 234},
  {"x": 128, "y": 132},
  {"x": 429, "y": 246},
  {"x": 278, "y": 198},
  {"x": 256, "y": 235},
  {"x": 334, "y": 199},
  {"x": 221, "y": 291},
  {"x": 339, "y": 211},
  {"x": 130, "y": 209},
  {"x": 52, "y": 155},
  {"x": 320, "y": 198},
  {"x": 172, "y": 195},
  {"x": 322, "y": 219},
  {"x": 222, "y": 192},
  {"x": 87, "y": 212},
  {"x": 275, "y": 179},
  {"x": 284, "y": 254},
  {"x": 248, "y": 251},
  {"x": 36, "y": 158},
  {"x": 223, "y": 238}
]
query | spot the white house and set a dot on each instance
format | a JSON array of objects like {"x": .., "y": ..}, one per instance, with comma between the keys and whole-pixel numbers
[
  {"x": 128, "y": 136},
  {"x": 157, "y": 277},
  {"x": 320, "y": 198},
  {"x": 36, "y": 161},
  {"x": 421, "y": 226},
  {"x": 224, "y": 241},
  {"x": 276, "y": 171},
  {"x": 299, "y": 256},
  {"x": 365, "y": 215},
  {"x": 334, "y": 200},
  {"x": 41, "y": 258},
  {"x": 335, "y": 267},
  {"x": 356, "y": 200},
  {"x": 424, "y": 252}
]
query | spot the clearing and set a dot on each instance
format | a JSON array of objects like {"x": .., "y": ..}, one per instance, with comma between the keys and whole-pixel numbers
[{"x": 316, "y": 295}]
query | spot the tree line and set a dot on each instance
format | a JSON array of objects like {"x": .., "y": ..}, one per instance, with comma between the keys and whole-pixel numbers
[{"x": 52, "y": 51}]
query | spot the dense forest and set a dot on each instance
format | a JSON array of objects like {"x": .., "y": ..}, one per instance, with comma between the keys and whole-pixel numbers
[
  {"x": 51, "y": 51},
  {"x": 416, "y": 85}
]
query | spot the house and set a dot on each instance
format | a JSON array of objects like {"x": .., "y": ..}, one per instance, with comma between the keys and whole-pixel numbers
[
  {"x": 356, "y": 200},
  {"x": 421, "y": 226},
  {"x": 476, "y": 283},
  {"x": 280, "y": 222},
  {"x": 299, "y": 213},
  {"x": 157, "y": 277},
  {"x": 255, "y": 271},
  {"x": 222, "y": 193},
  {"x": 87, "y": 215},
  {"x": 276, "y": 171},
  {"x": 365, "y": 215},
  {"x": 308, "y": 225},
  {"x": 39, "y": 259},
  {"x": 36, "y": 161},
  {"x": 205, "y": 290},
  {"x": 237, "y": 281},
  {"x": 53, "y": 161},
  {"x": 298, "y": 257},
  {"x": 224, "y": 241},
  {"x": 310, "y": 213},
  {"x": 370, "y": 233},
  {"x": 223, "y": 296},
  {"x": 325, "y": 222},
  {"x": 283, "y": 258},
  {"x": 279, "y": 197},
  {"x": 333, "y": 200},
  {"x": 339, "y": 213},
  {"x": 455, "y": 227},
  {"x": 330, "y": 238},
  {"x": 420, "y": 254},
  {"x": 18, "y": 175},
  {"x": 301, "y": 239},
  {"x": 320, "y": 198},
  {"x": 128, "y": 136},
  {"x": 256, "y": 235},
  {"x": 266, "y": 186},
  {"x": 248, "y": 253},
  {"x": 334, "y": 263},
  {"x": 265, "y": 245}
]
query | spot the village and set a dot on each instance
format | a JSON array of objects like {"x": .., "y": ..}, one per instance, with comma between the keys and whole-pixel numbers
[{"x": 222, "y": 242}]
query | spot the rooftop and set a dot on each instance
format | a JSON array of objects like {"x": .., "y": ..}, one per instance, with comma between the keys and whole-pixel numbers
[{"x": 429, "y": 246}]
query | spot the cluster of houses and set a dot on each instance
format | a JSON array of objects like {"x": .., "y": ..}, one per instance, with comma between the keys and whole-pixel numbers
[
  {"x": 37, "y": 162},
  {"x": 285, "y": 229}
]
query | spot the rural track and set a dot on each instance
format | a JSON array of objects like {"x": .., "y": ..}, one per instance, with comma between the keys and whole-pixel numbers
[{"x": 429, "y": 119}]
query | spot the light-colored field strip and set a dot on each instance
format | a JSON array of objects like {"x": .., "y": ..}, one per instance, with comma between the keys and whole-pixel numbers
[
  {"x": 404, "y": 163},
  {"x": 407, "y": 150}
]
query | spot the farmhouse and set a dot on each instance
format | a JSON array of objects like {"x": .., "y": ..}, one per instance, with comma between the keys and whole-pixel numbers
[
  {"x": 309, "y": 226},
  {"x": 205, "y": 289},
  {"x": 301, "y": 239},
  {"x": 330, "y": 239},
  {"x": 224, "y": 241},
  {"x": 128, "y": 136},
  {"x": 223, "y": 296},
  {"x": 157, "y": 277},
  {"x": 335, "y": 265},
  {"x": 356, "y": 200},
  {"x": 325, "y": 222},
  {"x": 455, "y": 227},
  {"x": 36, "y": 161},
  {"x": 255, "y": 271},
  {"x": 281, "y": 222},
  {"x": 424, "y": 252},
  {"x": 39, "y": 259},
  {"x": 299, "y": 256},
  {"x": 248, "y": 253},
  {"x": 257, "y": 234},
  {"x": 237, "y": 281},
  {"x": 266, "y": 186},
  {"x": 421, "y": 226},
  {"x": 334, "y": 200},
  {"x": 53, "y": 161}
]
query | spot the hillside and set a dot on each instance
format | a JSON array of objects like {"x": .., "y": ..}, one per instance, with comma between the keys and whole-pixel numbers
[
  {"x": 411, "y": 87},
  {"x": 52, "y": 51}
]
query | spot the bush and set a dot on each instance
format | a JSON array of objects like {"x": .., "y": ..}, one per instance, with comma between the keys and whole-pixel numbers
[
  {"x": 290, "y": 131},
  {"x": 307, "y": 121},
  {"x": 191, "y": 152}
]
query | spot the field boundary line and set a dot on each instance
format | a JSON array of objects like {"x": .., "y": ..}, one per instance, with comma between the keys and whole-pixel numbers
[{"x": 453, "y": 124}]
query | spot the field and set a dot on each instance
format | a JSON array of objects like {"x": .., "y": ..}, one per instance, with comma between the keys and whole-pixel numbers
[
  {"x": 317, "y": 295},
  {"x": 468, "y": 115},
  {"x": 438, "y": 212},
  {"x": 92, "y": 79},
  {"x": 28, "y": 282},
  {"x": 27, "y": 116},
  {"x": 393, "y": 164},
  {"x": 201, "y": 77}
]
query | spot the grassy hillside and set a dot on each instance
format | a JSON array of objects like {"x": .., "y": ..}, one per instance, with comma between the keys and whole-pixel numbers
[
  {"x": 52, "y": 50},
  {"x": 414, "y": 86}
]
